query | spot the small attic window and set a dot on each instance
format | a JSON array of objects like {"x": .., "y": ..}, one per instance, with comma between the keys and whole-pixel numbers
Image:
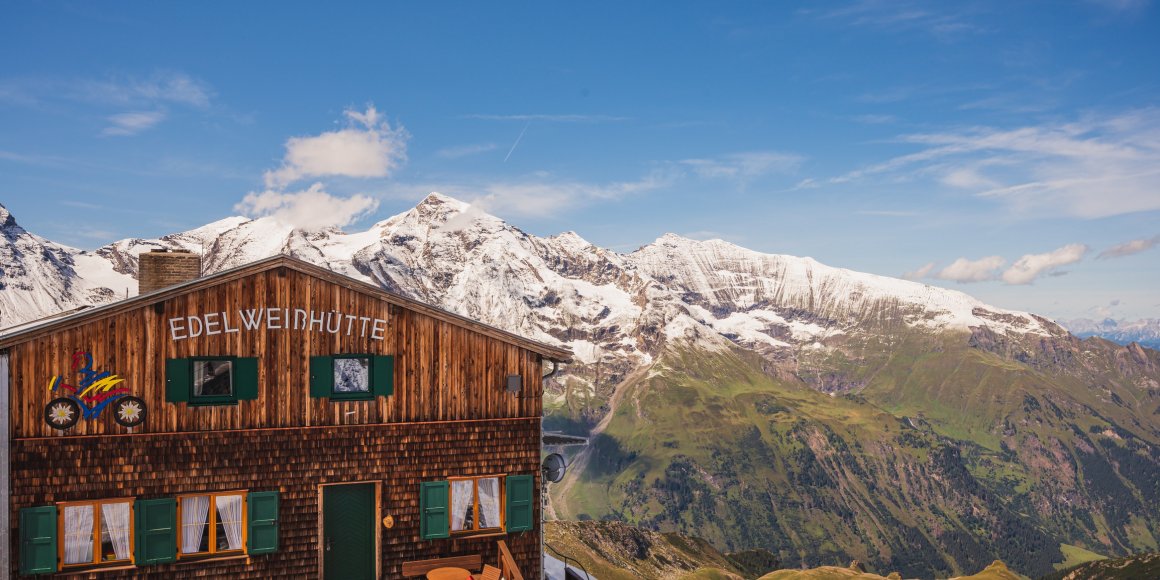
[
  {"x": 213, "y": 378},
  {"x": 352, "y": 376}
]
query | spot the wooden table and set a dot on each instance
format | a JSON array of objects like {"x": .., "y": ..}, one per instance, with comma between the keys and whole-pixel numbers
[{"x": 449, "y": 573}]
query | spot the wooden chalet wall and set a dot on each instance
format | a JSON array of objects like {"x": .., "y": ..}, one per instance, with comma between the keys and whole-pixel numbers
[
  {"x": 449, "y": 416},
  {"x": 443, "y": 371}
]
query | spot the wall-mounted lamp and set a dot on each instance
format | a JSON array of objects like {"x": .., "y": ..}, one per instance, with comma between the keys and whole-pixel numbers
[{"x": 514, "y": 383}]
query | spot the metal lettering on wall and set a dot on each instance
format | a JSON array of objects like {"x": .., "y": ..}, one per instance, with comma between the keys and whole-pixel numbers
[
  {"x": 249, "y": 319},
  {"x": 95, "y": 391}
]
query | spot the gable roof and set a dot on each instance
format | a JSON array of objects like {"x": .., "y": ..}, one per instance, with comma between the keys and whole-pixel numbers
[{"x": 23, "y": 333}]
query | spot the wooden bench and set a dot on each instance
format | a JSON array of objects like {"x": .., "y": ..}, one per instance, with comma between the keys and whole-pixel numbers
[{"x": 417, "y": 568}]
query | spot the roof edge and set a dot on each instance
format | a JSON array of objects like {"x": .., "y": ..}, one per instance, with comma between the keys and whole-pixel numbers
[{"x": 56, "y": 322}]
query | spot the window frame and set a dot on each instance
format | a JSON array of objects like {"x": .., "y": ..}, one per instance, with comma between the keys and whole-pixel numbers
[
  {"x": 476, "y": 530},
  {"x": 367, "y": 395},
  {"x": 96, "y": 505},
  {"x": 211, "y": 523},
  {"x": 196, "y": 400}
]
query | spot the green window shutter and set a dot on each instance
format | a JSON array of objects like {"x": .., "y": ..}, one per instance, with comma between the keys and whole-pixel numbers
[
  {"x": 383, "y": 375},
  {"x": 155, "y": 527},
  {"x": 37, "y": 540},
  {"x": 434, "y": 522},
  {"x": 519, "y": 503},
  {"x": 262, "y": 509},
  {"x": 321, "y": 376},
  {"x": 246, "y": 378},
  {"x": 177, "y": 380}
]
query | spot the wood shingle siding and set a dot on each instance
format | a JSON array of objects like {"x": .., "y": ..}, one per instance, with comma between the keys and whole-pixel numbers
[{"x": 294, "y": 462}]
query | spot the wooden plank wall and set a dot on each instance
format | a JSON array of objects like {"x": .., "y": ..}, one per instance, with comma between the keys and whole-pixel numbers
[
  {"x": 442, "y": 371},
  {"x": 295, "y": 462}
]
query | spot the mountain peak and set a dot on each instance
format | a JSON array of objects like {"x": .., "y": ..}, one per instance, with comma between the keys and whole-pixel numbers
[
  {"x": 6, "y": 219},
  {"x": 439, "y": 200}
]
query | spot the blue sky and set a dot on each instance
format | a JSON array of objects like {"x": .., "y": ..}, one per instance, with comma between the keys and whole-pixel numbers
[{"x": 1007, "y": 149}]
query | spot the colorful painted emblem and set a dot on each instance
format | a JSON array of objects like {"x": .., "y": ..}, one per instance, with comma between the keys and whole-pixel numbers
[{"x": 96, "y": 391}]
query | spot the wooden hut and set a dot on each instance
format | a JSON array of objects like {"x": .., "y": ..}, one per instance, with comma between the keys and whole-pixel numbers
[{"x": 277, "y": 420}]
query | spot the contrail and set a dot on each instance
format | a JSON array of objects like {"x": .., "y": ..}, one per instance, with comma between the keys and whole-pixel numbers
[{"x": 517, "y": 143}]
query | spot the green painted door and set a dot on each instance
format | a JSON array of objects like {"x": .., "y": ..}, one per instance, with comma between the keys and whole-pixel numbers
[{"x": 348, "y": 532}]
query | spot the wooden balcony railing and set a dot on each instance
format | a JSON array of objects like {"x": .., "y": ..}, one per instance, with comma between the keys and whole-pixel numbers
[{"x": 507, "y": 564}]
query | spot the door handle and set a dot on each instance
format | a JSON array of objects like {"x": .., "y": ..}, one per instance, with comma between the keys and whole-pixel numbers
[{"x": 328, "y": 543}]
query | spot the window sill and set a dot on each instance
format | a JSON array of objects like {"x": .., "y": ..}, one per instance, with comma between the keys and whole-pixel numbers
[
  {"x": 473, "y": 535},
  {"x": 96, "y": 568},
  {"x": 358, "y": 397},
  {"x": 220, "y": 403},
  {"x": 210, "y": 558}
]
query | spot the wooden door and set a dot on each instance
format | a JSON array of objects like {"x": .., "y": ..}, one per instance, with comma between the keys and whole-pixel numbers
[{"x": 348, "y": 532}]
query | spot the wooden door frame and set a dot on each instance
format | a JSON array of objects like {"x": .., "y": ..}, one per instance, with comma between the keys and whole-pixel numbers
[{"x": 375, "y": 525}]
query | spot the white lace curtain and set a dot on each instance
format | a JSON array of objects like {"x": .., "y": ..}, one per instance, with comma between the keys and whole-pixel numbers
[
  {"x": 194, "y": 514},
  {"x": 115, "y": 522},
  {"x": 489, "y": 502},
  {"x": 230, "y": 515},
  {"x": 78, "y": 534},
  {"x": 462, "y": 502}
]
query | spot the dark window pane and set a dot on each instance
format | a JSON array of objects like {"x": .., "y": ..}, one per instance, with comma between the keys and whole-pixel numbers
[
  {"x": 213, "y": 378},
  {"x": 223, "y": 542}
]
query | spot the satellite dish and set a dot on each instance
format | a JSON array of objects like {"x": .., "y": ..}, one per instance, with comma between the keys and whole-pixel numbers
[{"x": 554, "y": 467}]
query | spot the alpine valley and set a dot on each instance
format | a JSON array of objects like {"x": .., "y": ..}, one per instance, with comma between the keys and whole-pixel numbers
[{"x": 754, "y": 401}]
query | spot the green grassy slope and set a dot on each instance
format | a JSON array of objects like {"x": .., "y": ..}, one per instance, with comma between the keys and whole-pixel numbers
[
  {"x": 948, "y": 457},
  {"x": 1137, "y": 567}
]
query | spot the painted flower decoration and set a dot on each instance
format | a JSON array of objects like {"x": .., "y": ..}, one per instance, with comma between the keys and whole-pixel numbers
[
  {"x": 130, "y": 412},
  {"x": 61, "y": 414}
]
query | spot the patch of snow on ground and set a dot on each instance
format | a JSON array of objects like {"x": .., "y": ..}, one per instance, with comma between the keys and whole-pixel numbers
[
  {"x": 585, "y": 351},
  {"x": 747, "y": 328},
  {"x": 98, "y": 272}
]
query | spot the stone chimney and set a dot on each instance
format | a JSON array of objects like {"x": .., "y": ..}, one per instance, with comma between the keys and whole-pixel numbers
[{"x": 157, "y": 269}]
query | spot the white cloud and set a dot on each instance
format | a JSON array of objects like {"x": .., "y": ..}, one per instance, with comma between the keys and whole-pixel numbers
[
  {"x": 745, "y": 165},
  {"x": 465, "y": 150},
  {"x": 537, "y": 196},
  {"x": 126, "y": 124},
  {"x": 919, "y": 273},
  {"x": 550, "y": 118},
  {"x": 874, "y": 119},
  {"x": 887, "y": 212},
  {"x": 1096, "y": 167},
  {"x": 1026, "y": 269},
  {"x": 162, "y": 87},
  {"x": 967, "y": 178},
  {"x": 368, "y": 147},
  {"x": 310, "y": 209},
  {"x": 902, "y": 15},
  {"x": 963, "y": 270},
  {"x": 1129, "y": 248},
  {"x": 1121, "y": 5}
]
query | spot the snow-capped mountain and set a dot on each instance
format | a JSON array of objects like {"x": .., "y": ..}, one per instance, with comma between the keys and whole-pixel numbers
[
  {"x": 1145, "y": 331},
  {"x": 609, "y": 308}
]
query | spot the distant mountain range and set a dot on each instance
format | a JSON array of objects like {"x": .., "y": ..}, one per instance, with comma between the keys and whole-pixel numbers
[
  {"x": 757, "y": 401},
  {"x": 1145, "y": 331}
]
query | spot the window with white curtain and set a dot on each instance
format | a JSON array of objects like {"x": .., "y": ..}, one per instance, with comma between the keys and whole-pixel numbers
[
  {"x": 211, "y": 523},
  {"x": 96, "y": 532},
  {"x": 475, "y": 504}
]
